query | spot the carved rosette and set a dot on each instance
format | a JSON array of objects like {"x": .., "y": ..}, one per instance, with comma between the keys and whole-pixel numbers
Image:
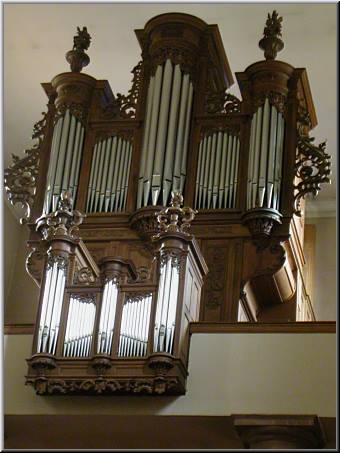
[
  {"x": 312, "y": 168},
  {"x": 106, "y": 386},
  {"x": 21, "y": 175}
]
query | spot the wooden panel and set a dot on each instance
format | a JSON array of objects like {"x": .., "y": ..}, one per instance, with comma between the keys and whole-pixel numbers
[{"x": 221, "y": 290}]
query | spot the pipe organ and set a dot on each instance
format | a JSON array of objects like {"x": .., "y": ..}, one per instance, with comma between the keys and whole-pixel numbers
[{"x": 123, "y": 268}]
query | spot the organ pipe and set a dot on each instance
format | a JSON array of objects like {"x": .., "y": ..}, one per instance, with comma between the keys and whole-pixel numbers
[
  {"x": 107, "y": 317},
  {"x": 79, "y": 327},
  {"x": 166, "y": 132},
  {"x": 216, "y": 180},
  {"x": 64, "y": 166},
  {"x": 109, "y": 175},
  {"x": 166, "y": 307},
  {"x": 265, "y": 157},
  {"x": 51, "y": 306},
  {"x": 135, "y": 323}
]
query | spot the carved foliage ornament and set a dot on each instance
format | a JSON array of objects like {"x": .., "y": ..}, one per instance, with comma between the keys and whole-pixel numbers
[
  {"x": 271, "y": 43},
  {"x": 157, "y": 385},
  {"x": 76, "y": 57},
  {"x": 276, "y": 99},
  {"x": 182, "y": 57},
  {"x": 21, "y": 176},
  {"x": 215, "y": 284},
  {"x": 312, "y": 168}
]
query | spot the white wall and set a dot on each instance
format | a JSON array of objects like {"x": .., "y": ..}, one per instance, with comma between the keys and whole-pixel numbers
[
  {"x": 228, "y": 373},
  {"x": 21, "y": 293},
  {"x": 11, "y": 232},
  {"x": 325, "y": 300}
]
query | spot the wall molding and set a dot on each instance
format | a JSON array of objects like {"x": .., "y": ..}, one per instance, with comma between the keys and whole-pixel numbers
[
  {"x": 248, "y": 327},
  {"x": 18, "y": 329}
]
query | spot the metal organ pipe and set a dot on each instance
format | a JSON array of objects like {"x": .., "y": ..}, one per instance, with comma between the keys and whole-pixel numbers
[
  {"x": 166, "y": 133},
  {"x": 265, "y": 157},
  {"x": 109, "y": 175},
  {"x": 135, "y": 324},
  {"x": 107, "y": 317},
  {"x": 216, "y": 180},
  {"x": 51, "y": 308},
  {"x": 166, "y": 307},
  {"x": 64, "y": 166},
  {"x": 79, "y": 327}
]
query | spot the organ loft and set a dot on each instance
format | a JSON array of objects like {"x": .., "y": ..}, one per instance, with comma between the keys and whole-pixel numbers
[{"x": 174, "y": 203}]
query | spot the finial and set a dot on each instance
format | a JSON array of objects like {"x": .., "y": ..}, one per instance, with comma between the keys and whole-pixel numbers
[
  {"x": 76, "y": 57},
  {"x": 175, "y": 218},
  {"x": 271, "y": 43}
]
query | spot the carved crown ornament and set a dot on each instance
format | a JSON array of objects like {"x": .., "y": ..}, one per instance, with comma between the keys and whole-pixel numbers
[
  {"x": 62, "y": 223},
  {"x": 174, "y": 218},
  {"x": 21, "y": 176}
]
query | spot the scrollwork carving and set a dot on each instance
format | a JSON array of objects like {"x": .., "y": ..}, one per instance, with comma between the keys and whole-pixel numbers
[
  {"x": 312, "y": 167},
  {"x": 124, "y": 106},
  {"x": 221, "y": 102},
  {"x": 21, "y": 176},
  {"x": 35, "y": 263},
  {"x": 83, "y": 275}
]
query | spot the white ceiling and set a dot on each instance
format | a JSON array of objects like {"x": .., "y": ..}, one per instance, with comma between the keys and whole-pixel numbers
[{"x": 37, "y": 36}]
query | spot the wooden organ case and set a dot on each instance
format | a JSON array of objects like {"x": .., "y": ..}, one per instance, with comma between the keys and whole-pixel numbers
[{"x": 120, "y": 272}]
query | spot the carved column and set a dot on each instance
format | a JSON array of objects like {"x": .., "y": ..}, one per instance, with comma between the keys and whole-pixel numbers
[
  {"x": 181, "y": 272},
  {"x": 59, "y": 231}
]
